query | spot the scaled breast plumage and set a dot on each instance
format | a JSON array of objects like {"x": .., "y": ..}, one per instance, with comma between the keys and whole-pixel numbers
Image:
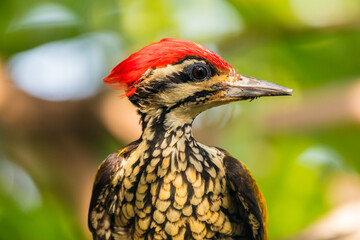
[{"x": 177, "y": 189}]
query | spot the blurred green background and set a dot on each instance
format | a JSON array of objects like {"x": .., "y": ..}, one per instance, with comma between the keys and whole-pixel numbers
[{"x": 58, "y": 121}]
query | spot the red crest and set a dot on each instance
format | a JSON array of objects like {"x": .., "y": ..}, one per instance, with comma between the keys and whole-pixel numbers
[{"x": 157, "y": 55}]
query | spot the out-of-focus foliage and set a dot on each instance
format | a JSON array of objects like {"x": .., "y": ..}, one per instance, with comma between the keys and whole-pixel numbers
[
  {"x": 300, "y": 44},
  {"x": 53, "y": 220}
]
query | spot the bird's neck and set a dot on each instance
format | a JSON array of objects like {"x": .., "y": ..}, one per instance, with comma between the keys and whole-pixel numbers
[{"x": 164, "y": 128}]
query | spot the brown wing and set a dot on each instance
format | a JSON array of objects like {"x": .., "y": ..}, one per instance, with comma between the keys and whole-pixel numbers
[
  {"x": 248, "y": 194},
  {"x": 101, "y": 218}
]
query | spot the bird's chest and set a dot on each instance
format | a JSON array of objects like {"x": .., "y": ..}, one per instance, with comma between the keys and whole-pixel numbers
[{"x": 178, "y": 193}]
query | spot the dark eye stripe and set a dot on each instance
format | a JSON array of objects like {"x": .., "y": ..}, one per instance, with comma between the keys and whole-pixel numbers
[
  {"x": 158, "y": 85},
  {"x": 184, "y": 75},
  {"x": 179, "y": 77}
]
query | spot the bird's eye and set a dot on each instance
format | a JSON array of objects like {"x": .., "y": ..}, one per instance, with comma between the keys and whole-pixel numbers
[{"x": 199, "y": 72}]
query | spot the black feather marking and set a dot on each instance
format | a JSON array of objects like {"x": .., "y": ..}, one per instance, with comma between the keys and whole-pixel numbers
[
  {"x": 237, "y": 175},
  {"x": 213, "y": 68},
  {"x": 103, "y": 182},
  {"x": 192, "y": 98}
]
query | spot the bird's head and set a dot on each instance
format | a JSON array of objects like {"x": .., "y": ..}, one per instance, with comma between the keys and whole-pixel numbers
[{"x": 180, "y": 79}]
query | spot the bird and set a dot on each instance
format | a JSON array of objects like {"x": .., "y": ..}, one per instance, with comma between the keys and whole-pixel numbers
[{"x": 167, "y": 185}]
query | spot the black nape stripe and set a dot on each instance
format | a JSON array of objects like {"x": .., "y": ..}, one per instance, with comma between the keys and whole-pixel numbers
[{"x": 192, "y": 98}]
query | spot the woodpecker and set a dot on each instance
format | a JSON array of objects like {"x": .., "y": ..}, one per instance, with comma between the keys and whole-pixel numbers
[{"x": 166, "y": 185}]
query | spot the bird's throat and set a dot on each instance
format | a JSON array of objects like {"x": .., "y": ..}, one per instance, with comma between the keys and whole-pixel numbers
[{"x": 163, "y": 124}]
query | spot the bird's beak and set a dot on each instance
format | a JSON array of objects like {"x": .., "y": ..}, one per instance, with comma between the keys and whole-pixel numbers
[{"x": 243, "y": 87}]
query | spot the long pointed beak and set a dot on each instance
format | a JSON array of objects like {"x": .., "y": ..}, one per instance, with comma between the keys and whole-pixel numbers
[{"x": 249, "y": 88}]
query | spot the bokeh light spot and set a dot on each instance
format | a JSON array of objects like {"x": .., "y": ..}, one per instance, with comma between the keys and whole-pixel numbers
[{"x": 65, "y": 70}]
